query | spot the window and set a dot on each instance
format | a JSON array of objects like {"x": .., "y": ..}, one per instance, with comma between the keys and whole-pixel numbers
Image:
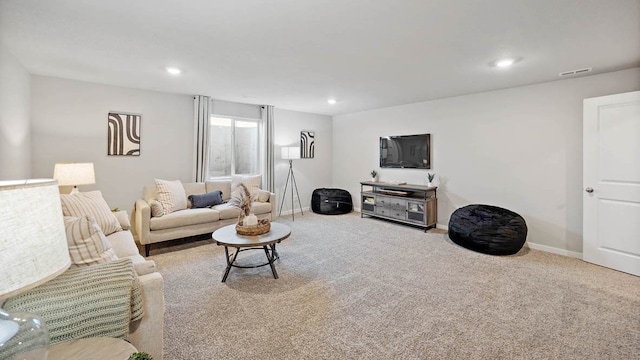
[{"x": 234, "y": 147}]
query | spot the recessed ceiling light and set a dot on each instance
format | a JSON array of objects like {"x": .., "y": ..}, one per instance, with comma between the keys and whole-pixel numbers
[
  {"x": 503, "y": 63},
  {"x": 332, "y": 101},
  {"x": 173, "y": 71}
]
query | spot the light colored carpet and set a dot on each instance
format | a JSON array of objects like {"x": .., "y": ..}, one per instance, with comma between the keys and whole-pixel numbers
[{"x": 353, "y": 288}]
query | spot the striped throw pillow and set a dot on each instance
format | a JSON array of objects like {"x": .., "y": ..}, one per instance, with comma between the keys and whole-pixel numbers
[
  {"x": 87, "y": 244},
  {"x": 171, "y": 195},
  {"x": 91, "y": 203}
]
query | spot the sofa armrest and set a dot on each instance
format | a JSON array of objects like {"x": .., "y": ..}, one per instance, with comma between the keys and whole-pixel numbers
[
  {"x": 147, "y": 334},
  {"x": 141, "y": 220},
  {"x": 146, "y": 267},
  {"x": 274, "y": 204}
]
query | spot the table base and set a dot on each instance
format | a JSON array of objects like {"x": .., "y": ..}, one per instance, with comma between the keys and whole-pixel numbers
[{"x": 269, "y": 250}]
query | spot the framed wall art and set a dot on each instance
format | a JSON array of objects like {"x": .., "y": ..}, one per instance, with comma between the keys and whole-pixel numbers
[
  {"x": 307, "y": 144},
  {"x": 123, "y": 134}
]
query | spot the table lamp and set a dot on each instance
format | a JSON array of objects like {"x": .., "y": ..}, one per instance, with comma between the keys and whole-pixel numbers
[
  {"x": 290, "y": 153},
  {"x": 74, "y": 174},
  {"x": 33, "y": 250}
]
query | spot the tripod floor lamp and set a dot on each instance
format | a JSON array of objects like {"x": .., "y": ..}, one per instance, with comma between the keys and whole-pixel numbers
[{"x": 291, "y": 153}]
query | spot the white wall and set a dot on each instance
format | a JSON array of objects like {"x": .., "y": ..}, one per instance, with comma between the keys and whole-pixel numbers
[
  {"x": 517, "y": 148},
  {"x": 15, "y": 126},
  {"x": 309, "y": 173},
  {"x": 69, "y": 123}
]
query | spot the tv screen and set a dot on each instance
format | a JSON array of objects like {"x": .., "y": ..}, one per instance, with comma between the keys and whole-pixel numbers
[{"x": 406, "y": 151}]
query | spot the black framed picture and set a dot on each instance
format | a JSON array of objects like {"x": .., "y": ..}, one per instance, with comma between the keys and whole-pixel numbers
[
  {"x": 307, "y": 144},
  {"x": 123, "y": 137}
]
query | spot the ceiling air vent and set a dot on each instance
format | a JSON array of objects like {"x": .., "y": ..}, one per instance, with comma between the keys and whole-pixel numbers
[{"x": 575, "y": 72}]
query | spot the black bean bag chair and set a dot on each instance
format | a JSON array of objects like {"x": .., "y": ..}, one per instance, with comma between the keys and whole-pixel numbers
[
  {"x": 488, "y": 229},
  {"x": 331, "y": 201}
]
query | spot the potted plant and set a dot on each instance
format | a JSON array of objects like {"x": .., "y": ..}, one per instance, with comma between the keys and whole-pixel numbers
[
  {"x": 430, "y": 178},
  {"x": 374, "y": 175},
  {"x": 140, "y": 356}
]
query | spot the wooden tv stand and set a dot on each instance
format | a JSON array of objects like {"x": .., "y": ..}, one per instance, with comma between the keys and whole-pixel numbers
[{"x": 407, "y": 203}]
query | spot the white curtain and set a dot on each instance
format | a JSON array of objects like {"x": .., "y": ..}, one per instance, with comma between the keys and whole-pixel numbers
[
  {"x": 201, "y": 115},
  {"x": 269, "y": 151}
]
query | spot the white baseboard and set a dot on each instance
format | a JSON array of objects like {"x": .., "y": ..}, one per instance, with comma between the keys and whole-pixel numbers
[
  {"x": 297, "y": 211},
  {"x": 549, "y": 249},
  {"x": 553, "y": 250}
]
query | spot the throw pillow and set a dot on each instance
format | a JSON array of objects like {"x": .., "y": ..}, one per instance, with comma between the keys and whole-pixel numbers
[
  {"x": 171, "y": 195},
  {"x": 156, "y": 208},
  {"x": 262, "y": 196},
  {"x": 252, "y": 182},
  {"x": 87, "y": 243},
  {"x": 91, "y": 203},
  {"x": 123, "y": 219},
  {"x": 206, "y": 200}
]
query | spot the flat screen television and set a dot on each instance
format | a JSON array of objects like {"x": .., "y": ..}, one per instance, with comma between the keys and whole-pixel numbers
[{"x": 406, "y": 151}]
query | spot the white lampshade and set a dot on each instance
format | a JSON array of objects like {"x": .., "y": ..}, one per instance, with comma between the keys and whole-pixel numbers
[
  {"x": 33, "y": 242},
  {"x": 290, "y": 152},
  {"x": 74, "y": 174},
  {"x": 33, "y": 250}
]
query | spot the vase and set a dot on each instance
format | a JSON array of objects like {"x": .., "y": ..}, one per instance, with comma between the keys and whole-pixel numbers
[
  {"x": 250, "y": 220},
  {"x": 373, "y": 179}
]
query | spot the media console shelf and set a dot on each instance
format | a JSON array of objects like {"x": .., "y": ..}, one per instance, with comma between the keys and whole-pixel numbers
[{"x": 406, "y": 203}]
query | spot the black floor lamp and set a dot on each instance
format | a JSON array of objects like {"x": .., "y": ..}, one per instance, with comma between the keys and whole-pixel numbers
[{"x": 291, "y": 153}]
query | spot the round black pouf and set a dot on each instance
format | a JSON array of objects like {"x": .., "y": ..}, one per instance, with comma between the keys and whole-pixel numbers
[{"x": 488, "y": 229}]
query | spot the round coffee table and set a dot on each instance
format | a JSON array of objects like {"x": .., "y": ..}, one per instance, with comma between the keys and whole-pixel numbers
[{"x": 227, "y": 237}]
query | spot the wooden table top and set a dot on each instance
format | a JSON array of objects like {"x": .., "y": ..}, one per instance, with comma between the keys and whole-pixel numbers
[
  {"x": 104, "y": 348},
  {"x": 227, "y": 236}
]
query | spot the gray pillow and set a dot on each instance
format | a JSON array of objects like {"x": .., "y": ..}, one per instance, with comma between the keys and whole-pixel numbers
[{"x": 206, "y": 200}]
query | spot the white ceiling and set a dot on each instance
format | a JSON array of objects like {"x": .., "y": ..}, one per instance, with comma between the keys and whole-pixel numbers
[{"x": 295, "y": 54}]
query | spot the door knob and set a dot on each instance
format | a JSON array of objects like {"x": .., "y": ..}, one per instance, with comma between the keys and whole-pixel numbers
[{"x": 589, "y": 190}]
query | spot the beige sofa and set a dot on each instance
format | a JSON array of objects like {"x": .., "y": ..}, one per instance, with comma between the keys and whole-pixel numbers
[
  {"x": 145, "y": 334},
  {"x": 150, "y": 229}
]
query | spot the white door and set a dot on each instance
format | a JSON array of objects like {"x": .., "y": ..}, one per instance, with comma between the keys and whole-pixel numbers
[{"x": 611, "y": 197}]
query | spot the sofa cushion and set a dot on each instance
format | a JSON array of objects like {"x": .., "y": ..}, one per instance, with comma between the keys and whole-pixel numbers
[
  {"x": 227, "y": 211},
  {"x": 90, "y": 203},
  {"x": 150, "y": 192},
  {"x": 87, "y": 244},
  {"x": 123, "y": 244},
  {"x": 221, "y": 185},
  {"x": 206, "y": 200},
  {"x": 252, "y": 182},
  {"x": 196, "y": 188},
  {"x": 125, "y": 248},
  {"x": 193, "y": 189},
  {"x": 259, "y": 208},
  {"x": 171, "y": 195},
  {"x": 184, "y": 218}
]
